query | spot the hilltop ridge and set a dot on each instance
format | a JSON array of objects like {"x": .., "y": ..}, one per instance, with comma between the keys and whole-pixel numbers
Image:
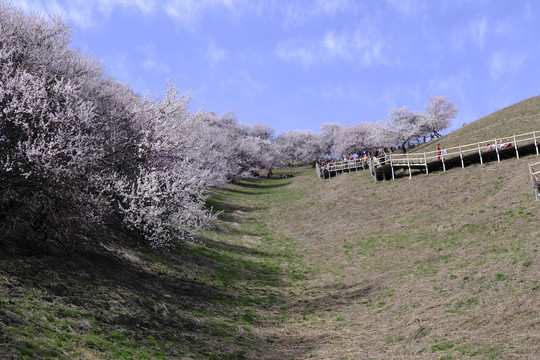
[{"x": 518, "y": 118}]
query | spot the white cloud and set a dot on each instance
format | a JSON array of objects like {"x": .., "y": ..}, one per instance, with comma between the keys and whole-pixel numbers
[
  {"x": 42, "y": 7},
  {"x": 339, "y": 93},
  {"x": 189, "y": 11},
  {"x": 106, "y": 7},
  {"x": 528, "y": 12},
  {"x": 454, "y": 85},
  {"x": 151, "y": 64},
  {"x": 295, "y": 50},
  {"x": 215, "y": 54},
  {"x": 370, "y": 48},
  {"x": 398, "y": 95},
  {"x": 360, "y": 46},
  {"x": 150, "y": 61},
  {"x": 408, "y": 8},
  {"x": 478, "y": 29},
  {"x": 28, "y": 6},
  {"x": 119, "y": 65},
  {"x": 81, "y": 16},
  {"x": 336, "y": 45},
  {"x": 332, "y": 7},
  {"x": 180, "y": 9},
  {"x": 84, "y": 13},
  {"x": 402, "y": 6},
  {"x": 501, "y": 64},
  {"x": 89, "y": 13},
  {"x": 476, "y": 32},
  {"x": 293, "y": 15},
  {"x": 242, "y": 83}
]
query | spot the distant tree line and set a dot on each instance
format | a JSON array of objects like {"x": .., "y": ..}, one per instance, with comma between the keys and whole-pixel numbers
[
  {"x": 402, "y": 130},
  {"x": 80, "y": 150}
]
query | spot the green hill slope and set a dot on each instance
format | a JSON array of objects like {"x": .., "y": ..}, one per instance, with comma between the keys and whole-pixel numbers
[
  {"x": 443, "y": 266},
  {"x": 519, "y": 118}
]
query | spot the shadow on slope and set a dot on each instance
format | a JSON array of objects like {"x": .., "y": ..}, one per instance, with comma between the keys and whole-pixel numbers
[{"x": 121, "y": 301}]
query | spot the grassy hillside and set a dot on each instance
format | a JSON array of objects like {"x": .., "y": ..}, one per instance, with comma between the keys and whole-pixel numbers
[
  {"x": 444, "y": 266},
  {"x": 121, "y": 301},
  {"x": 519, "y": 118}
]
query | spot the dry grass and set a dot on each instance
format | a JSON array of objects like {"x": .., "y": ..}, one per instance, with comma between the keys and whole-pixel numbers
[
  {"x": 441, "y": 266},
  {"x": 444, "y": 266}
]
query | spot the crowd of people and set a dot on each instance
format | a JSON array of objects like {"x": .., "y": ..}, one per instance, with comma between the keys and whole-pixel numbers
[
  {"x": 500, "y": 145},
  {"x": 347, "y": 161},
  {"x": 283, "y": 175},
  {"x": 378, "y": 156},
  {"x": 381, "y": 156}
]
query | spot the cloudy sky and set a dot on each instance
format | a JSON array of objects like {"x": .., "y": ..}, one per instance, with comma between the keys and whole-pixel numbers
[{"x": 295, "y": 64}]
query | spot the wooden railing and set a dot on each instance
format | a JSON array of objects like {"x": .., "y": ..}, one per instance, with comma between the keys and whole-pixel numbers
[
  {"x": 480, "y": 147},
  {"x": 340, "y": 166},
  {"x": 479, "y": 150}
]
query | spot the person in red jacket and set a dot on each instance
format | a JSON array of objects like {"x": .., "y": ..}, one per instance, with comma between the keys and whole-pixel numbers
[{"x": 439, "y": 151}]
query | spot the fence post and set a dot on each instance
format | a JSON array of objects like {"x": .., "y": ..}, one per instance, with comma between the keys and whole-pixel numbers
[
  {"x": 480, "y": 154},
  {"x": 535, "y": 143},
  {"x": 392, "y": 166},
  {"x": 425, "y": 163},
  {"x": 515, "y": 144},
  {"x": 409, "y": 165},
  {"x": 461, "y": 156},
  {"x": 497, "y": 150},
  {"x": 443, "y": 164}
]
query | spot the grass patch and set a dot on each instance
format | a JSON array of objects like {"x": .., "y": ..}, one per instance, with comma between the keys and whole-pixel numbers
[{"x": 343, "y": 263}]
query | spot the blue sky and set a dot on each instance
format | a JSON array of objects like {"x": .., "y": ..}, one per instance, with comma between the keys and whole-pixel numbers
[{"x": 295, "y": 64}]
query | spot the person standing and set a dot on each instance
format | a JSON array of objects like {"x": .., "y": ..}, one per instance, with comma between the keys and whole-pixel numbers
[{"x": 439, "y": 151}]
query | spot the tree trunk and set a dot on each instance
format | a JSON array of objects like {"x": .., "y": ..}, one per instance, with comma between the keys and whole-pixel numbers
[{"x": 404, "y": 147}]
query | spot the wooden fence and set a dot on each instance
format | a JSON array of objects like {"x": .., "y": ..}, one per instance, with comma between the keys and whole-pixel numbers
[
  {"x": 480, "y": 151},
  {"x": 335, "y": 167}
]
